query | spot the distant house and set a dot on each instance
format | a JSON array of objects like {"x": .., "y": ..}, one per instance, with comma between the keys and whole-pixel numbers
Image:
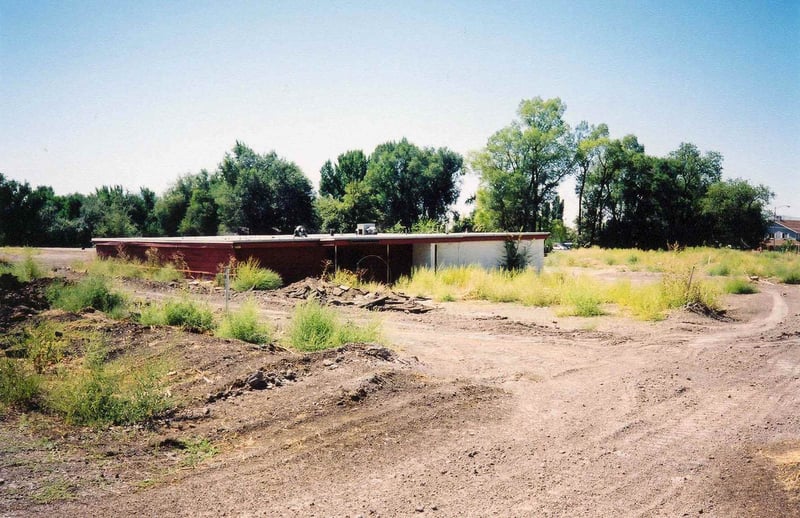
[{"x": 781, "y": 231}]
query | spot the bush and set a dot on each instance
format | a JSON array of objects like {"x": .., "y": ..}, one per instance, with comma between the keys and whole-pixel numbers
[
  {"x": 244, "y": 325},
  {"x": 740, "y": 287},
  {"x": 92, "y": 291},
  {"x": 315, "y": 327},
  {"x": 250, "y": 276}
]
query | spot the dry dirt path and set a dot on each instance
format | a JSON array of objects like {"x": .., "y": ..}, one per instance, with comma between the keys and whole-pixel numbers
[{"x": 499, "y": 411}]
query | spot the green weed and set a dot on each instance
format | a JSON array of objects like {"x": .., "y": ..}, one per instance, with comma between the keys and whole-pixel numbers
[
  {"x": 740, "y": 286},
  {"x": 19, "y": 384},
  {"x": 250, "y": 276},
  {"x": 197, "y": 450},
  {"x": 92, "y": 291},
  {"x": 244, "y": 325},
  {"x": 315, "y": 327},
  {"x": 54, "y": 491},
  {"x": 98, "y": 393},
  {"x": 183, "y": 313}
]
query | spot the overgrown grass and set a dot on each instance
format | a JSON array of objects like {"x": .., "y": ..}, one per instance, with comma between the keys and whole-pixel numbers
[
  {"x": 739, "y": 286},
  {"x": 182, "y": 313},
  {"x": 244, "y": 325},
  {"x": 132, "y": 269},
  {"x": 575, "y": 295},
  {"x": 90, "y": 292},
  {"x": 249, "y": 275},
  {"x": 99, "y": 393},
  {"x": 721, "y": 262},
  {"x": 314, "y": 327}
]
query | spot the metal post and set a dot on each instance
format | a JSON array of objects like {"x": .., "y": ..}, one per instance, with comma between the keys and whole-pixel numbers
[{"x": 227, "y": 287}]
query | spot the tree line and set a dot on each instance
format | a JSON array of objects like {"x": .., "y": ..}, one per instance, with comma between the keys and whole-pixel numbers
[{"x": 626, "y": 197}]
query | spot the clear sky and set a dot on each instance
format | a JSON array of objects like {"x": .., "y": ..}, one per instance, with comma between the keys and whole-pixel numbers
[{"x": 138, "y": 93}]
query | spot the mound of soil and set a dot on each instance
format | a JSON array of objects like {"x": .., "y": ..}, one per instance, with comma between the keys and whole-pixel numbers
[{"x": 20, "y": 300}]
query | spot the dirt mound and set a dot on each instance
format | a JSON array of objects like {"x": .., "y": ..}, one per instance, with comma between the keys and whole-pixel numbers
[
  {"x": 20, "y": 300},
  {"x": 340, "y": 295}
]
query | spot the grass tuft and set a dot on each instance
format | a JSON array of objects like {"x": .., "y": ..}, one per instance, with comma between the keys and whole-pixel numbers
[
  {"x": 250, "y": 276},
  {"x": 315, "y": 327},
  {"x": 739, "y": 286},
  {"x": 19, "y": 384},
  {"x": 244, "y": 325},
  {"x": 90, "y": 292},
  {"x": 183, "y": 313}
]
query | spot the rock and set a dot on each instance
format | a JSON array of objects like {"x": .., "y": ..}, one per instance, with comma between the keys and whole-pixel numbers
[{"x": 256, "y": 381}]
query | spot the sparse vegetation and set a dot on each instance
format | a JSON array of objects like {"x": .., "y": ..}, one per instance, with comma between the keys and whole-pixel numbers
[
  {"x": 244, "y": 325},
  {"x": 99, "y": 393},
  {"x": 197, "y": 450},
  {"x": 315, "y": 327},
  {"x": 249, "y": 275},
  {"x": 344, "y": 277}
]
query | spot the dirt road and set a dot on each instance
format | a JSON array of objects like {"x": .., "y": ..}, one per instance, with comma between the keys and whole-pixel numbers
[{"x": 500, "y": 410}]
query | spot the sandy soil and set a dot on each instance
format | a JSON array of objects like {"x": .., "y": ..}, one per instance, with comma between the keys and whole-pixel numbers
[{"x": 479, "y": 410}]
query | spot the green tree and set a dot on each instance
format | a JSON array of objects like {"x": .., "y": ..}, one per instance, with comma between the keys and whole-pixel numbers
[
  {"x": 170, "y": 209},
  {"x": 522, "y": 165},
  {"x": 591, "y": 144},
  {"x": 737, "y": 212},
  {"x": 201, "y": 218},
  {"x": 358, "y": 205},
  {"x": 409, "y": 183},
  {"x": 350, "y": 166},
  {"x": 263, "y": 192}
]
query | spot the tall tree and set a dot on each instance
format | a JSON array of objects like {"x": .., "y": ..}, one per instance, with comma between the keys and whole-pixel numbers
[
  {"x": 264, "y": 193},
  {"x": 591, "y": 143},
  {"x": 737, "y": 212},
  {"x": 350, "y": 166},
  {"x": 410, "y": 184},
  {"x": 522, "y": 165}
]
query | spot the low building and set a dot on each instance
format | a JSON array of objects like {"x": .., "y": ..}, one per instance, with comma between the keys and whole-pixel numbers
[
  {"x": 782, "y": 231},
  {"x": 382, "y": 257}
]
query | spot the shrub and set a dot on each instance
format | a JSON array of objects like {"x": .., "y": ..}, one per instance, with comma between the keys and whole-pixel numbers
[
  {"x": 740, "y": 287},
  {"x": 244, "y": 325},
  {"x": 134, "y": 269},
  {"x": 250, "y": 276},
  {"x": 92, "y": 291},
  {"x": 315, "y": 327}
]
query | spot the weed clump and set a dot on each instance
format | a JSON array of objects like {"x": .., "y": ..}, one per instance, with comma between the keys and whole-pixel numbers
[
  {"x": 185, "y": 314},
  {"x": 250, "y": 276},
  {"x": 740, "y": 286},
  {"x": 99, "y": 393},
  {"x": 244, "y": 325},
  {"x": 19, "y": 385},
  {"x": 315, "y": 327},
  {"x": 90, "y": 292}
]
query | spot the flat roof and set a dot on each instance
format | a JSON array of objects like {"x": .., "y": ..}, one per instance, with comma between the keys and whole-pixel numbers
[{"x": 325, "y": 239}]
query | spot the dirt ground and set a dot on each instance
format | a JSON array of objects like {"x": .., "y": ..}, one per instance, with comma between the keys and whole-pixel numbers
[{"x": 471, "y": 409}]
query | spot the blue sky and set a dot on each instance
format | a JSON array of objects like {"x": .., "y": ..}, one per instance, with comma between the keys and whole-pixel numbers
[{"x": 138, "y": 93}]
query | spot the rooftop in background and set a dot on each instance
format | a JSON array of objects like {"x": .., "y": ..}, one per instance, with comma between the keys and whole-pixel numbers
[{"x": 331, "y": 238}]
